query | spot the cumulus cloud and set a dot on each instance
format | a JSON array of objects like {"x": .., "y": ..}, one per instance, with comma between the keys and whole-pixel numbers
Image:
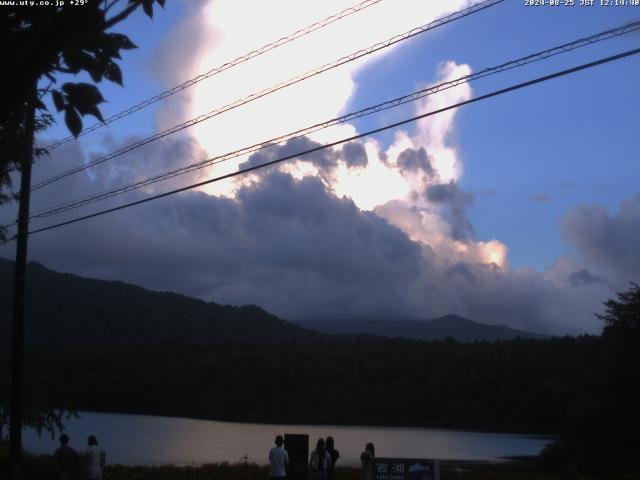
[
  {"x": 293, "y": 247},
  {"x": 608, "y": 242},
  {"x": 584, "y": 277},
  {"x": 361, "y": 230},
  {"x": 324, "y": 160},
  {"x": 455, "y": 200}
]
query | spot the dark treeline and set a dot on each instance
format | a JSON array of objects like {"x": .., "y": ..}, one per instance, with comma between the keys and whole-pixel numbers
[
  {"x": 586, "y": 389},
  {"x": 533, "y": 385}
]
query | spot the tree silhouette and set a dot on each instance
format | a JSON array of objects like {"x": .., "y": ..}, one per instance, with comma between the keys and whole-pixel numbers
[
  {"x": 604, "y": 438},
  {"x": 622, "y": 316},
  {"x": 39, "y": 43}
]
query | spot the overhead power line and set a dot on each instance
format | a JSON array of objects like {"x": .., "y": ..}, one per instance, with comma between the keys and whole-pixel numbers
[
  {"x": 226, "y": 66},
  {"x": 495, "y": 93},
  {"x": 254, "y": 96},
  {"x": 535, "y": 57}
]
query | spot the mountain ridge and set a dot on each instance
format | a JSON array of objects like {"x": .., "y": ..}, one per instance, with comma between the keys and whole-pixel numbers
[
  {"x": 454, "y": 326},
  {"x": 69, "y": 312}
]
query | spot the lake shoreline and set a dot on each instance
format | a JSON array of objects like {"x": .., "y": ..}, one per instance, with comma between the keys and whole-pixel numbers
[
  {"x": 131, "y": 439},
  {"x": 522, "y": 430},
  {"x": 43, "y": 466}
]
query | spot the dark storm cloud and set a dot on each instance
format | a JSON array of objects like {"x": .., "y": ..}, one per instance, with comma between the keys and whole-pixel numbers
[
  {"x": 354, "y": 154},
  {"x": 584, "y": 277},
  {"x": 462, "y": 269},
  {"x": 290, "y": 246},
  {"x": 324, "y": 159},
  {"x": 525, "y": 299},
  {"x": 149, "y": 160},
  {"x": 413, "y": 160},
  {"x": 296, "y": 249},
  {"x": 454, "y": 202},
  {"x": 609, "y": 242}
]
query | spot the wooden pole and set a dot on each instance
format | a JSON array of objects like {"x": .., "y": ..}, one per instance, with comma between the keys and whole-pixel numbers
[{"x": 17, "y": 330}]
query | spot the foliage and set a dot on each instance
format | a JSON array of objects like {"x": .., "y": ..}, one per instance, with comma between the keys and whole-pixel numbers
[
  {"x": 605, "y": 437},
  {"x": 530, "y": 385},
  {"x": 50, "y": 420},
  {"x": 39, "y": 44},
  {"x": 43, "y": 468},
  {"x": 67, "y": 312},
  {"x": 622, "y": 316},
  {"x": 39, "y": 415},
  {"x": 514, "y": 385},
  {"x": 42, "y": 43}
]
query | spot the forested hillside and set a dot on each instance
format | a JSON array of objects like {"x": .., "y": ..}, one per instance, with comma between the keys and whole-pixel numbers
[
  {"x": 533, "y": 385},
  {"x": 67, "y": 312},
  {"x": 454, "y": 326}
]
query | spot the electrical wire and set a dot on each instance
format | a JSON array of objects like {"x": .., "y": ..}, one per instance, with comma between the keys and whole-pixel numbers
[
  {"x": 226, "y": 66},
  {"x": 254, "y": 96},
  {"x": 412, "y": 97},
  {"x": 495, "y": 93}
]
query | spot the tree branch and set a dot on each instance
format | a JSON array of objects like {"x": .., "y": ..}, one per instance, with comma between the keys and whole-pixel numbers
[
  {"x": 121, "y": 16},
  {"x": 110, "y": 5}
]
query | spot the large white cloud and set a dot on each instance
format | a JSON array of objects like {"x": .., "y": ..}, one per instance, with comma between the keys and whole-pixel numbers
[{"x": 358, "y": 230}]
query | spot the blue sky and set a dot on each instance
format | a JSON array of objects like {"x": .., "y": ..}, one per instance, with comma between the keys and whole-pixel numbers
[
  {"x": 548, "y": 173},
  {"x": 573, "y": 139}
]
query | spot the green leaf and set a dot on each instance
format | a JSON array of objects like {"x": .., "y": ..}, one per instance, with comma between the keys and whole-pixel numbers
[
  {"x": 78, "y": 60},
  {"x": 58, "y": 100},
  {"x": 161, "y": 3},
  {"x": 91, "y": 110},
  {"x": 72, "y": 61},
  {"x": 112, "y": 72},
  {"x": 73, "y": 121},
  {"x": 119, "y": 41},
  {"x": 39, "y": 105},
  {"x": 147, "y": 6},
  {"x": 95, "y": 73},
  {"x": 82, "y": 94}
]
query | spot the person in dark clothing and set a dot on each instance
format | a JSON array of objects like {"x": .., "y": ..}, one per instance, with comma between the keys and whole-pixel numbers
[
  {"x": 66, "y": 459},
  {"x": 334, "y": 455},
  {"x": 367, "y": 457},
  {"x": 320, "y": 461}
]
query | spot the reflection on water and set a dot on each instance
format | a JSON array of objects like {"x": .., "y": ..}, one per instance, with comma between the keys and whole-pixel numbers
[{"x": 141, "y": 439}]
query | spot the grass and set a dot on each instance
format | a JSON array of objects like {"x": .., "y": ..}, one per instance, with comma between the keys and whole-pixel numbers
[{"x": 43, "y": 468}]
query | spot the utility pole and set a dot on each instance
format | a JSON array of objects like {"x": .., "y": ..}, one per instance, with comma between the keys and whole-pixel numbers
[{"x": 19, "y": 283}]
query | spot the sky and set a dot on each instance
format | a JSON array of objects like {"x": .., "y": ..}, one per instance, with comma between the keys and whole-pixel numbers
[{"x": 522, "y": 209}]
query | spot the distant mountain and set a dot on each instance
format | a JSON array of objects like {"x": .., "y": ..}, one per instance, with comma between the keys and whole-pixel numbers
[
  {"x": 454, "y": 326},
  {"x": 68, "y": 312}
]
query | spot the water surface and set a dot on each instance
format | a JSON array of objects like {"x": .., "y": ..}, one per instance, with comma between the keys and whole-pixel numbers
[{"x": 150, "y": 440}]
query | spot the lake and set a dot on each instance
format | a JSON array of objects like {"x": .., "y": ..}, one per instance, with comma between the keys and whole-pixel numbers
[{"x": 150, "y": 440}]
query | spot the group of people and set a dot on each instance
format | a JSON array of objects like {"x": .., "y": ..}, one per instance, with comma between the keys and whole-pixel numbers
[
  {"x": 322, "y": 461},
  {"x": 67, "y": 459}
]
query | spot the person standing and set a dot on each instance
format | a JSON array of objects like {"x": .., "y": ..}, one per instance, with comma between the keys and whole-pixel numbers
[
  {"x": 278, "y": 459},
  {"x": 94, "y": 470},
  {"x": 320, "y": 461},
  {"x": 66, "y": 459},
  {"x": 334, "y": 455},
  {"x": 367, "y": 457}
]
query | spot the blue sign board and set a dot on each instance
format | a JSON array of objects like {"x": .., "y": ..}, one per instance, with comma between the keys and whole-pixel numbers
[{"x": 405, "y": 469}]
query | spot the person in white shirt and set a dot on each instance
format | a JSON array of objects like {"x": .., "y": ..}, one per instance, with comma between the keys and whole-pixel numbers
[
  {"x": 278, "y": 459},
  {"x": 320, "y": 461},
  {"x": 94, "y": 471}
]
